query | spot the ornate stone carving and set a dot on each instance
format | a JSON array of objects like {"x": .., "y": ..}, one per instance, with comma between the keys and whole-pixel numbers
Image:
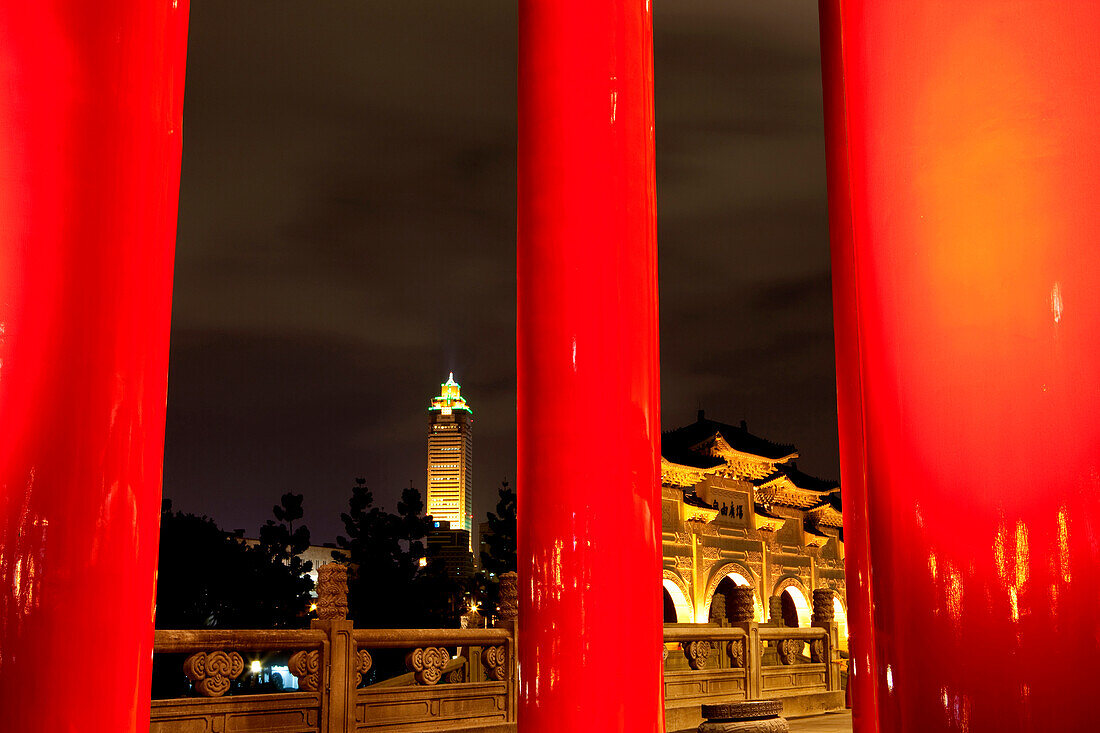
[
  {"x": 509, "y": 596},
  {"x": 710, "y": 553},
  {"x": 754, "y": 558},
  {"x": 697, "y": 653},
  {"x": 455, "y": 676},
  {"x": 495, "y": 661},
  {"x": 788, "y": 650},
  {"x": 817, "y": 650},
  {"x": 213, "y": 671},
  {"x": 823, "y": 604},
  {"x": 739, "y": 604},
  {"x": 332, "y": 591},
  {"x": 683, "y": 561},
  {"x": 683, "y": 538},
  {"x": 306, "y": 667},
  {"x": 363, "y": 664},
  {"x": 710, "y": 531},
  {"x": 749, "y": 716},
  {"x": 775, "y": 610},
  {"x": 427, "y": 664},
  {"x": 736, "y": 650}
]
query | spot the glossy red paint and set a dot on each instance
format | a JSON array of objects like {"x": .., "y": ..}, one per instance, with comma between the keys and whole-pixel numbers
[
  {"x": 965, "y": 214},
  {"x": 587, "y": 366},
  {"x": 90, "y": 128}
]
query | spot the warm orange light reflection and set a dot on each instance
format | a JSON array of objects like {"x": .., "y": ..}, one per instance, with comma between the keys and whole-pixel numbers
[{"x": 965, "y": 211}]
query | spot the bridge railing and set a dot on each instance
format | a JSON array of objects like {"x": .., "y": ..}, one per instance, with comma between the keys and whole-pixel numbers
[
  {"x": 750, "y": 661},
  {"x": 335, "y": 678}
]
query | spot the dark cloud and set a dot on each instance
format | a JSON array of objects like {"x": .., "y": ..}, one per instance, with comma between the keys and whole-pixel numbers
[{"x": 347, "y": 230}]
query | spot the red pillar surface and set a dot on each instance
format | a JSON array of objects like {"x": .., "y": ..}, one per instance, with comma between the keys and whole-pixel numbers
[
  {"x": 90, "y": 128},
  {"x": 965, "y": 206},
  {"x": 587, "y": 366}
]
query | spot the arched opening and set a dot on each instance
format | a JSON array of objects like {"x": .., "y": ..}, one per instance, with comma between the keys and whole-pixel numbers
[
  {"x": 841, "y": 618},
  {"x": 795, "y": 607},
  {"x": 677, "y": 608},
  {"x": 669, "y": 607},
  {"x": 717, "y": 612}
]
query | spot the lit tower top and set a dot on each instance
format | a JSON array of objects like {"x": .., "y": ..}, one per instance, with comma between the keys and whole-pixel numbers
[
  {"x": 451, "y": 459},
  {"x": 450, "y": 398}
]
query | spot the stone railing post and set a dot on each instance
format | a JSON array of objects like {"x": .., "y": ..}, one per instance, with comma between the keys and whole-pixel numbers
[
  {"x": 823, "y": 604},
  {"x": 775, "y": 611},
  {"x": 342, "y": 664},
  {"x": 509, "y": 619},
  {"x": 754, "y": 653},
  {"x": 823, "y": 618},
  {"x": 509, "y": 599},
  {"x": 739, "y": 605}
]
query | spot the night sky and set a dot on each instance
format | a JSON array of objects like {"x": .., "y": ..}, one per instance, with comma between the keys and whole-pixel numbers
[{"x": 347, "y": 236}]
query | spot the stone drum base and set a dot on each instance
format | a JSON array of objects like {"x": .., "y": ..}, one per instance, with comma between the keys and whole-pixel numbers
[{"x": 750, "y": 716}]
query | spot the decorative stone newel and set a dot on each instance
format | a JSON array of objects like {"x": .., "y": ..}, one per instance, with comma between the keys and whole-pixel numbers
[
  {"x": 306, "y": 667},
  {"x": 775, "y": 610},
  {"x": 736, "y": 650},
  {"x": 509, "y": 596},
  {"x": 332, "y": 591},
  {"x": 427, "y": 664},
  {"x": 495, "y": 661},
  {"x": 697, "y": 653},
  {"x": 213, "y": 671},
  {"x": 750, "y": 716},
  {"x": 739, "y": 605},
  {"x": 823, "y": 605}
]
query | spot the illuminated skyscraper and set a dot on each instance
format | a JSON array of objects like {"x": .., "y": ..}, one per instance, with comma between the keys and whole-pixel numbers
[{"x": 450, "y": 458}]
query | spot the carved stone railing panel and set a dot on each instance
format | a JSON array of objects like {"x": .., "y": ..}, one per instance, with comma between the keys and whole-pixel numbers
[
  {"x": 736, "y": 651},
  {"x": 362, "y": 666},
  {"x": 212, "y": 672},
  {"x": 697, "y": 653},
  {"x": 427, "y": 664},
  {"x": 817, "y": 650},
  {"x": 495, "y": 661},
  {"x": 291, "y": 712},
  {"x": 788, "y": 650},
  {"x": 306, "y": 667}
]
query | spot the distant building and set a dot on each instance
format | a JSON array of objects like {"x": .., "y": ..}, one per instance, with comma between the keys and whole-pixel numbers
[
  {"x": 450, "y": 459},
  {"x": 317, "y": 554},
  {"x": 451, "y": 547},
  {"x": 737, "y": 511},
  {"x": 484, "y": 532}
]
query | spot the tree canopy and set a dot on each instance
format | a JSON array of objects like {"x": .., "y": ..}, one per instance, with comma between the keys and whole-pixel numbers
[{"x": 208, "y": 578}]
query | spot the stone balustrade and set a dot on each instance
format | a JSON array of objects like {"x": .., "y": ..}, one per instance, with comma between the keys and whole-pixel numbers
[{"x": 418, "y": 680}]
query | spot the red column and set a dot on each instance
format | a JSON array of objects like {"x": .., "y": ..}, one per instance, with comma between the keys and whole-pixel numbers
[
  {"x": 965, "y": 211},
  {"x": 588, "y": 371},
  {"x": 90, "y": 129}
]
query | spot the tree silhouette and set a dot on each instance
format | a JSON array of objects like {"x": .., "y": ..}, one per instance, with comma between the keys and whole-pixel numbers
[
  {"x": 501, "y": 538},
  {"x": 388, "y": 587},
  {"x": 208, "y": 578},
  {"x": 282, "y": 544},
  {"x": 500, "y": 541}
]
